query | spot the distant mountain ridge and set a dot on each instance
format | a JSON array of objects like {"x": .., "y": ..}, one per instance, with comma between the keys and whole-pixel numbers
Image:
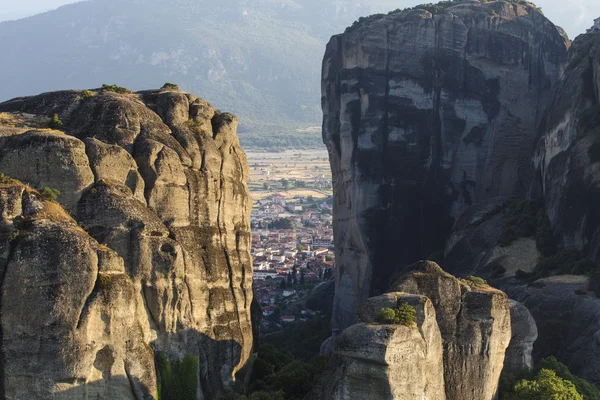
[{"x": 260, "y": 59}]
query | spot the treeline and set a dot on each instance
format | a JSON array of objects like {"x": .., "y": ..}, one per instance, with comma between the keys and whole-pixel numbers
[{"x": 284, "y": 141}]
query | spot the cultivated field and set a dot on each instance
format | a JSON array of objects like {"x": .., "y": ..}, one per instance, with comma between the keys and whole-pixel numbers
[{"x": 307, "y": 173}]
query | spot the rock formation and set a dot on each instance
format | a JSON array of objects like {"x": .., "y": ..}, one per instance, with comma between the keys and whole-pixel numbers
[
  {"x": 518, "y": 355},
  {"x": 456, "y": 350},
  {"x": 425, "y": 115},
  {"x": 150, "y": 254},
  {"x": 564, "y": 307},
  {"x": 568, "y": 319},
  {"x": 567, "y": 154}
]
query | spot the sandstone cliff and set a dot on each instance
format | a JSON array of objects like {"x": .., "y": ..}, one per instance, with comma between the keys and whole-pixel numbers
[
  {"x": 456, "y": 351},
  {"x": 149, "y": 256},
  {"x": 425, "y": 115}
]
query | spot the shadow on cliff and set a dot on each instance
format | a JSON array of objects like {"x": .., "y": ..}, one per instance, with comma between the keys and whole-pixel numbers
[{"x": 192, "y": 363}]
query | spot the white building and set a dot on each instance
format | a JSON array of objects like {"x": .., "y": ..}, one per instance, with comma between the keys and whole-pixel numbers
[
  {"x": 278, "y": 259},
  {"x": 290, "y": 253}
]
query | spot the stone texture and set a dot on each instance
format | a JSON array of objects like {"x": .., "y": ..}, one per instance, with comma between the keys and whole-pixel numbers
[
  {"x": 459, "y": 354},
  {"x": 384, "y": 362},
  {"x": 518, "y": 356},
  {"x": 475, "y": 324},
  {"x": 425, "y": 115},
  {"x": 568, "y": 321},
  {"x": 568, "y": 180},
  {"x": 155, "y": 260}
]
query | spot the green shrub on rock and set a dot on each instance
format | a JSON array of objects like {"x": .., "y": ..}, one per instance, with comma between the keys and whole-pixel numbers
[
  {"x": 387, "y": 316},
  {"x": 6, "y": 180},
  {"x": 55, "y": 122},
  {"x": 87, "y": 94},
  {"x": 115, "y": 89},
  {"x": 170, "y": 86},
  {"x": 50, "y": 194},
  {"x": 476, "y": 282},
  {"x": 404, "y": 314}
]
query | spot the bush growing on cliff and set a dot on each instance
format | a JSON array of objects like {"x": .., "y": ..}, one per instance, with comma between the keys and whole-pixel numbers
[
  {"x": 115, "y": 89},
  {"x": 564, "y": 262},
  {"x": 404, "y": 314},
  {"x": 527, "y": 218},
  {"x": 55, "y": 123},
  {"x": 5, "y": 179},
  {"x": 178, "y": 379},
  {"x": 49, "y": 194},
  {"x": 170, "y": 86},
  {"x": 476, "y": 282},
  {"x": 87, "y": 94}
]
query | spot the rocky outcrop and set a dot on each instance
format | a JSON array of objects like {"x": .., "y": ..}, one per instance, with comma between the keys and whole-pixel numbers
[
  {"x": 149, "y": 256},
  {"x": 518, "y": 355},
  {"x": 475, "y": 323},
  {"x": 568, "y": 319},
  {"x": 425, "y": 115},
  {"x": 385, "y": 362},
  {"x": 566, "y": 157},
  {"x": 456, "y": 351}
]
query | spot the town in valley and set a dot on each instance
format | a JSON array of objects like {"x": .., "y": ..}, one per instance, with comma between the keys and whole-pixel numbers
[{"x": 292, "y": 234}]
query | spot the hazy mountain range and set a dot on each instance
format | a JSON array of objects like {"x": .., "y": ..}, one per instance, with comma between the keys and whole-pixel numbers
[{"x": 259, "y": 59}]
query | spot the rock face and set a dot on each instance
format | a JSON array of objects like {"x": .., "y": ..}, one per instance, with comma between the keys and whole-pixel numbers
[
  {"x": 475, "y": 324},
  {"x": 455, "y": 352},
  {"x": 425, "y": 115},
  {"x": 569, "y": 174},
  {"x": 385, "y": 362},
  {"x": 568, "y": 320},
  {"x": 518, "y": 355},
  {"x": 149, "y": 255},
  {"x": 567, "y": 171}
]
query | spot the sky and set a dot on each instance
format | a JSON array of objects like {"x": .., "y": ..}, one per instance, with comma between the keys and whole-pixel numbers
[{"x": 575, "y": 16}]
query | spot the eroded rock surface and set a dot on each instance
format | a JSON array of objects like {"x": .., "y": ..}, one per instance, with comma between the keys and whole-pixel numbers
[
  {"x": 371, "y": 361},
  {"x": 568, "y": 171},
  {"x": 456, "y": 351},
  {"x": 151, "y": 255},
  {"x": 425, "y": 115}
]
